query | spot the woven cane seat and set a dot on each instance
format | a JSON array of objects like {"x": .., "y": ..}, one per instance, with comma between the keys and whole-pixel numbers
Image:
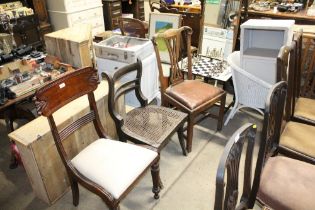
[{"x": 152, "y": 124}]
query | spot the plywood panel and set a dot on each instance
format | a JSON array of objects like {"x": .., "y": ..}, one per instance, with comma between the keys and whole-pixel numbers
[{"x": 71, "y": 45}]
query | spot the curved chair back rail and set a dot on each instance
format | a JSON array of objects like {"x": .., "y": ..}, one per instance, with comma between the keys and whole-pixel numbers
[
  {"x": 132, "y": 27},
  {"x": 118, "y": 89},
  {"x": 227, "y": 190}
]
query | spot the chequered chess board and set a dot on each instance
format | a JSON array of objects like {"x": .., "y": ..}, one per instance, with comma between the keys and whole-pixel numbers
[{"x": 206, "y": 67}]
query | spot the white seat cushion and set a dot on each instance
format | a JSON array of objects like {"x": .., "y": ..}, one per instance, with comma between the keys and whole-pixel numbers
[{"x": 113, "y": 165}]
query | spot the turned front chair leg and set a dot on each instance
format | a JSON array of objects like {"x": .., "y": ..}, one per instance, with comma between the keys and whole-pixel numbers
[
  {"x": 155, "y": 172},
  {"x": 180, "y": 133},
  {"x": 221, "y": 112},
  {"x": 190, "y": 129}
]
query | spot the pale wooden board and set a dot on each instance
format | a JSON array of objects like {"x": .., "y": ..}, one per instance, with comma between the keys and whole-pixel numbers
[
  {"x": 71, "y": 45},
  {"x": 306, "y": 28}
]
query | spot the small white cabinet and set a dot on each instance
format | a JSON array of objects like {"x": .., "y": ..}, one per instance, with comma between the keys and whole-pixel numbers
[
  {"x": 69, "y": 13},
  {"x": 261, "y": 41}
]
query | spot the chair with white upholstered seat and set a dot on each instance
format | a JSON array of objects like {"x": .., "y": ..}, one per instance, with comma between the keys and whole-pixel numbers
[{"x": 106, "y": 167}]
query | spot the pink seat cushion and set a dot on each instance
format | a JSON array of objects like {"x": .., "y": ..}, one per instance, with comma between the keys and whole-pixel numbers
[
  {"x": 287, "y": 183},
  {"x": 193, "y": 93}
]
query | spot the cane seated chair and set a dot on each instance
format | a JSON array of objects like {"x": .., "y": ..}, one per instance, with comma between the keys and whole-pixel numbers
[
  {"x": 227, "y": 190},
  {"x": 101, "y": 167},
  {"x": 280, "y": 182},
  {"x": 193, "y": 97},
  {"x": 148, "y": 124},
  {"x": 133, "y": 27},
  {"x": 297, "y": 138}
]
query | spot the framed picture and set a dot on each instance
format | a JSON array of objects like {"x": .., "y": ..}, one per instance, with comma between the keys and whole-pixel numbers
[{"x": 160, "y": 22}]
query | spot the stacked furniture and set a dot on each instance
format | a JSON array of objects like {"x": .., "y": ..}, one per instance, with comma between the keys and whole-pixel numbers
[
  {"x": 65, "y": 14},
  {"x": 112, "y": 12},
  {"x": 40, "y": 10},
  {"x": 261, "y": 41}
]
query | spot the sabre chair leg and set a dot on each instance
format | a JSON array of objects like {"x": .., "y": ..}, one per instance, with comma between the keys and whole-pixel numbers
[
  {"x": 232, "y": 113},
  {"x": 190, "y": 129},
  {"x": 115, "y": 208},
  {"x": 155, "y": 172},
  {"x": 180, "y": 133},
  {"x": 75, "y": 191},
  {"x": 221, "y": 113}
]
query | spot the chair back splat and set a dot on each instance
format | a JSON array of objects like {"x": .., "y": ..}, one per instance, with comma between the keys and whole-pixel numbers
[
  {"x": 226, "y": 194},
  {"x": 297, "y": 108},
  {"x": 271, "y": 130},
  {"x": 92, "y": 167}
]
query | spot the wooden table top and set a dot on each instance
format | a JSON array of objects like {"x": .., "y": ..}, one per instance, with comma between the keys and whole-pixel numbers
[
  {"x": 191, "y": 8},
  {"x": 301, "y": 15}
]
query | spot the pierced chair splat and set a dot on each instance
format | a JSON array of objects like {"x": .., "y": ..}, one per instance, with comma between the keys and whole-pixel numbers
[
  {"x": 227, "y": 190},
  {"x": 101, "y": 166}
]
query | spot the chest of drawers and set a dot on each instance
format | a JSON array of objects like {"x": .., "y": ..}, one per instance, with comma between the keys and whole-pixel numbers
[
  {"x": 25, "y": 31},
  {"x": 69, "y": 13},
  {"x": 112, "y": 12}
]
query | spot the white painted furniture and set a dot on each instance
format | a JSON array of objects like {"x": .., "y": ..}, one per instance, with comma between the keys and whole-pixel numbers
[
  {"x": 118, "y": 51},
  {"x": 261, "y": 41},
  {"x": 68, "y": 13},
  {"x": 250, "y": 91}
]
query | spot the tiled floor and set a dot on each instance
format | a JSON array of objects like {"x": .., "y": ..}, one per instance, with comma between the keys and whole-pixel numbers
[{"x": 189, "y": 182}]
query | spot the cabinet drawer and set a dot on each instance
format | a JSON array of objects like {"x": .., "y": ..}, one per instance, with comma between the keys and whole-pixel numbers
[
  {"x": 116, "y": 13},
  {"x": 83, "y": 16},
  {"x": 98, "y": 30},
  {"x": 116, "y": 6},
  {"x": 72, "y": 5}
]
